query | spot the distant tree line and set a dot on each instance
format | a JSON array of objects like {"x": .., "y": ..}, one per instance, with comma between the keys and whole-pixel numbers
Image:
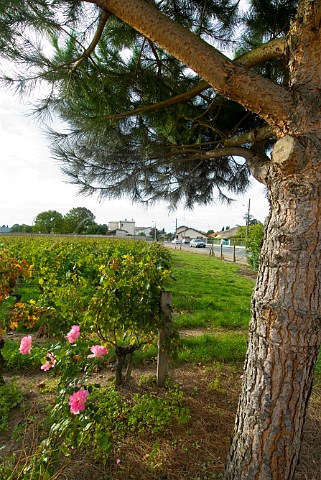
[{"x": 78, "y": 220}]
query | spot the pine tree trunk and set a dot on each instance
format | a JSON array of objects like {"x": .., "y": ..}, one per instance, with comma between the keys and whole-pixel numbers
[{"x": 285, "y": 332}]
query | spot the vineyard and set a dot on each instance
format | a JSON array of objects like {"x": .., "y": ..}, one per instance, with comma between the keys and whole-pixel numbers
[
  {"x": 109, "y": 288},
  {"x": 90, "y": 296}
]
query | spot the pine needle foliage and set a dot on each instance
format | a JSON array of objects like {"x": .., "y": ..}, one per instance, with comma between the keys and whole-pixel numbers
[{"x": 103, "y": 78}]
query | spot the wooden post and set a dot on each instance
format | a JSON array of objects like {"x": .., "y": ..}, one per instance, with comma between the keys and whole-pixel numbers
[
  {"x": 234, "y": 253},
  {"x": 163, "y": 335},
  {"x": 2, "y": 362},
  {"x": 221, "y": 250}
]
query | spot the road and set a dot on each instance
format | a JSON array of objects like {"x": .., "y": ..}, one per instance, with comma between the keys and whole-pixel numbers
[{"x": 224, "y": 250}]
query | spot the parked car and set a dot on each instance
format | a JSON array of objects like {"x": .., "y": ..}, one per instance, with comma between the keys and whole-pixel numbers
[
  {"x": 177, "y": 241},
  {"x": 198, "y": 243},
  {"x": 186, "y": 240}
]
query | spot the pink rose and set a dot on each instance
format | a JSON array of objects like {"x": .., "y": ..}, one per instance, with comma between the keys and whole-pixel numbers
[
  {"x": 97, "y": 351},
  {"x": 46, "y": 366},
  {"x": 50, "y": 363},
  {"x": 77, "y": 401},
  {"x": 73, "y": 334},
  {"x": 25, "y": 345}
]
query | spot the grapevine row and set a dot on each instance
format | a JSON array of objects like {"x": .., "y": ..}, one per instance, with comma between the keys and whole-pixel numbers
[{"x": 111, "y": 288}]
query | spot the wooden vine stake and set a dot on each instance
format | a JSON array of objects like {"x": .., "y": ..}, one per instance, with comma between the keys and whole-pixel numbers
[
  {"x": 163, "y": 337},
  {"x": 2, "y": 362}
]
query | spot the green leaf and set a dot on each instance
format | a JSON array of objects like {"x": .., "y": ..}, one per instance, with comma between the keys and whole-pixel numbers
[{"x": 105, "y": 443}]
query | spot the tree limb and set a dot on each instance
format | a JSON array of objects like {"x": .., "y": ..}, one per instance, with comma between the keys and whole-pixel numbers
[
  {"x": 181, "y": 98},
  {"x": 272, "y": 49},
  {"x": 258, "y": 164},
  {"x": 159, "y": 63},
  {"x": 230, "y": 152},
  {"x": 226, "y": 147},
  {"x": 101, "y": 25},
  {"x": 256, "y": 135},
  {"x": 270, "y": 101}
]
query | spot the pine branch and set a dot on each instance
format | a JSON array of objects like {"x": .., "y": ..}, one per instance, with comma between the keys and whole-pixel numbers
[
  {"x": 256, "y": 135},
  {"x": 159, "y": 63},
  {"x": 181, "y": 98},
  {"x": 233, "y": 149},
  {"x": 101, "y": 25},
  {"x": 230, "y": 152},
  {"x": 270, "y": 101},
  {"x": 274, "y": 48}
]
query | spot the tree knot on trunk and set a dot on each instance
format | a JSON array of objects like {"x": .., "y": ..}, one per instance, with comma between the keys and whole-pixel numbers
[
  {"x": 289, "y": 154},
  {"x": 259, "y": 168}
]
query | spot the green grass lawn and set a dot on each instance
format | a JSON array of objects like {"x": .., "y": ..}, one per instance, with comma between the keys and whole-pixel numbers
[
  {"x": 209, "y": 293},
  {"x": 216, "y": 296},
  {"x": 212, "y": 295}
]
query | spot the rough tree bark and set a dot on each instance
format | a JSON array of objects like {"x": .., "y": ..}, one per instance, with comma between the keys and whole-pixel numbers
[{"x": 285, "y": 332}]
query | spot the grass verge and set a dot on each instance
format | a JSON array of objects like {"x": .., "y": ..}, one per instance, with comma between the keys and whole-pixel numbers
[{"x": 209, "y": 293}]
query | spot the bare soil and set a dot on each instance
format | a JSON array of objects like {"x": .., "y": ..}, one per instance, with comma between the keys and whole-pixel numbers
[{"x": 195, "y": 451}]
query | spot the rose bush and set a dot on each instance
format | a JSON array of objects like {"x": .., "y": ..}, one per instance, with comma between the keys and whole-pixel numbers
[{"x": 73, "y": 418}]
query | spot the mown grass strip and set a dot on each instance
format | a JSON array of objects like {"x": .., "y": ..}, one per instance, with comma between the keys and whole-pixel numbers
[
  {"x": 209, "y": 293},
  {"x": 216, "y": 296},
  {"x": 226, "y": 348}
]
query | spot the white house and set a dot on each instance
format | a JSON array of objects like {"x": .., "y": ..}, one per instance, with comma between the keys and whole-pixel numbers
[
  {"x": 125, "y": 225},
  {"x": 189, "y": 233},
  {"x": 225, "y": 236}
]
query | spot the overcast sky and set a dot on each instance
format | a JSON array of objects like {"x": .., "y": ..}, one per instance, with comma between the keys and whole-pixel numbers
[{"x": 31, "y": 183}]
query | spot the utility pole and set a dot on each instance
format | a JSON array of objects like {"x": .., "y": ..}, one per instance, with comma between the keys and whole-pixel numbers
[
  {"x": 248, "y": 219},
  {"x": 154, "y": 232}
]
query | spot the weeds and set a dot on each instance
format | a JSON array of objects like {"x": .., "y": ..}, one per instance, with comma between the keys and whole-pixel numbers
[
  {"x": 10, "y": 397},
  {"x": 15, "y": 362}
]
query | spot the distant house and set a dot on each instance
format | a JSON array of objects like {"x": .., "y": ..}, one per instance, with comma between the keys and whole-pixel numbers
[
  {"x": 127, "y": 226},
  {"x": 116, "y": 233},
  {"x": 5, "y": 229},
  {"x": 189, "y": 233},
  {"x": 225, "y": 235}
]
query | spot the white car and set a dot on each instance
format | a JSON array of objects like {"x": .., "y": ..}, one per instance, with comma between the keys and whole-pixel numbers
[
  {"x": 198, "y": 243},
  {"x": 177, "y": 241}
]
